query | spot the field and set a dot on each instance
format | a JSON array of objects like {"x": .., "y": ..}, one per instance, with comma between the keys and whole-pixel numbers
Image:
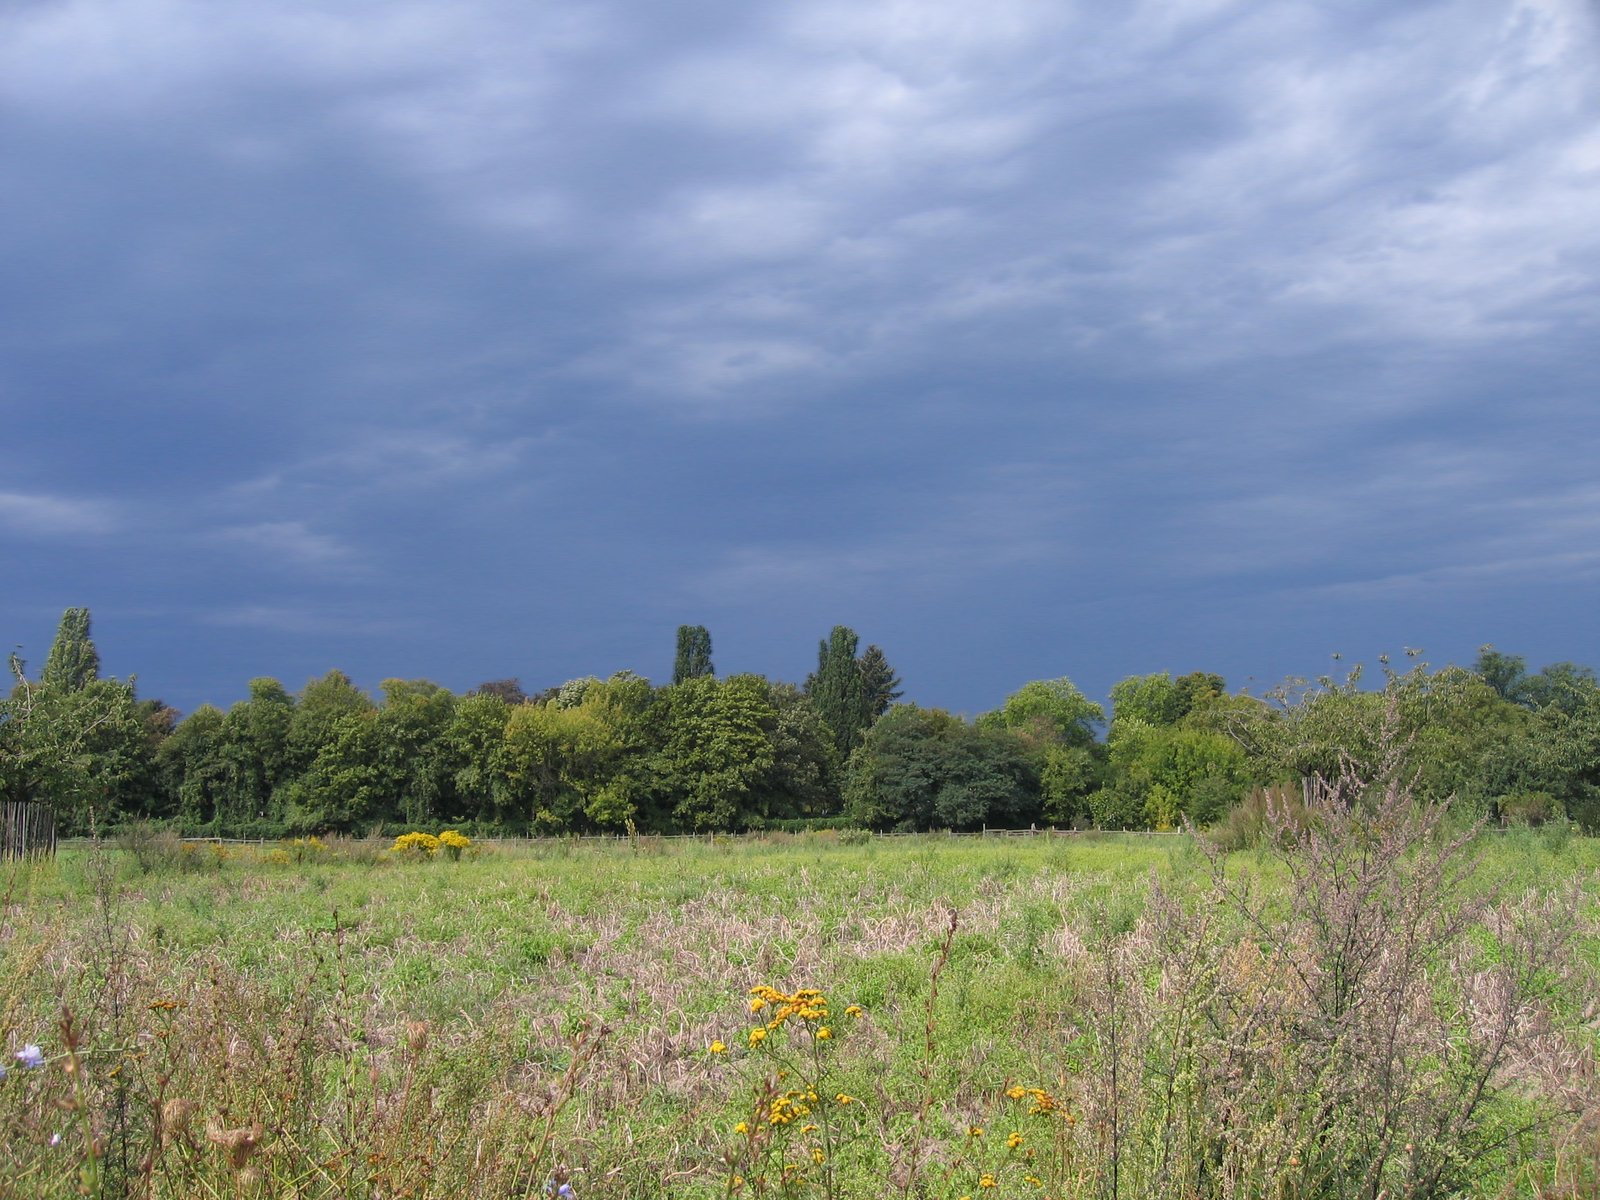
[{"x": 1387, "y": 1012}]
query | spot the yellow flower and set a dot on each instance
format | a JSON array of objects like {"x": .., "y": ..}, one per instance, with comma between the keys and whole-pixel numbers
[
  {"x": 987, "y": 1182},
  {"x": 1014, "y": 1140},
  {"x": 817, "y": 1156},
  {"x": 855, "y": 1010},
  {"x": 757, "y": 1004},
  {"x": 1016, "y": 1093},
  {"x": 757, "y": 1036},
  {"x": 808, "y": 1128},
  {"x": 824, "y": 1033},
  {"x": 1034, "y": 1180},
  {"x": 717, "y": 1048},
  {"x": 842, "y": 1098},
  {"x": 975, "y": 1131},
  {"x": 741, "y": 1127}
]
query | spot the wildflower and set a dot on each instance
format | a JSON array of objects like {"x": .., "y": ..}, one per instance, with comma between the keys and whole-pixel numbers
[
  {"x": 757, "y": 1036},
  {"x": 817, "y": 1156},
  {"x": 824, "y": 1033},
  {"x": 808, "y": 1128},
  {"x": 716, "y": 1048},
  {"x": 1034, "y": 1180},
  {"x": 987, "y": 1182},
  {"x": 975, "y": 1131},
  {"x": 1016, "y": 1093},
  {"x": 757, "y": 1004},
  {"x": 1014, "y": 1140},
  {"x": 31, "y": 1057},
  {"x": 855, "y": 1010},
  {"x": 560, "y": 1191},
  {"x": 741, "y": 1127},
  {"x": 844, "y": 1098}
]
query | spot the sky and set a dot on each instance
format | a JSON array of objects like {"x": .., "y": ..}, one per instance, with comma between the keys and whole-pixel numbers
[{"x": 483, "y": 339}]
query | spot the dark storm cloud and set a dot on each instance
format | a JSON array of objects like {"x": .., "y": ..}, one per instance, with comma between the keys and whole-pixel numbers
[{"x": 1033, "y": 339}]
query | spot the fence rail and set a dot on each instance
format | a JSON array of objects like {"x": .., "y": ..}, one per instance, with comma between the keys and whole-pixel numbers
[{"x": 27, "y": 829}]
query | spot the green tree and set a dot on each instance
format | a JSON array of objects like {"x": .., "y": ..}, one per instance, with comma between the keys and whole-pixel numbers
[
  {"x": 475, "y": 749},
  {"x": 1052, "y": 708},
  {"x": 194, "y": 769},
  {"x": 1153, "y": 699},
  {"x": 1505, "y": 673},
  {"x": 694, "y": 653},
  {"x": 73, "y": 662},
  {"x": 255, "y": 747},
  {"x": 880, "y": 686},
  {"x": 714, "y": 742},
  {"x": 412, "y": 726},
  {"x": 76, "y": 750},
  {"x": 804, "y": 780},
  {"x": 318, "y": 709},
  {"x": 838, "y": 689},
  {"x": 920, "y": 769}
]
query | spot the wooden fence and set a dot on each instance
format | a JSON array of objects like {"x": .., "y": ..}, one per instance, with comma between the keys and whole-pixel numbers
[{"x": 27, "y": 829}]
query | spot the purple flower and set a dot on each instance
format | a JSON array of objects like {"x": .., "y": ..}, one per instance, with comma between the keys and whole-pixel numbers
[{"x": 31, "y": 1057}]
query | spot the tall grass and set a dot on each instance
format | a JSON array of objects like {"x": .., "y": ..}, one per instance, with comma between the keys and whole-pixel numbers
[{"x": 1358, "y": 1006}]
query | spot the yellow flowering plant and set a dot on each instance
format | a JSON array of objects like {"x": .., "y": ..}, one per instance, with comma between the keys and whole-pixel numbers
[{"x": 799, "y": 1119}]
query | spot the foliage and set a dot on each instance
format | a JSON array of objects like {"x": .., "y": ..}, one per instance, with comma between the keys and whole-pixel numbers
[
  {"x": 924, "y": 769},
  {"x": 1049, "y": 708},
  {"x": 693, "y": 658}
]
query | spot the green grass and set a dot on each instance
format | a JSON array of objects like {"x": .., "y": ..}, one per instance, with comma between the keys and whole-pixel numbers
[{"x": 303, "y": 990}]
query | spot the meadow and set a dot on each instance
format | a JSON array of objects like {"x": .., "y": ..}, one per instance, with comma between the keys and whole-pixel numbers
[{"x": 1386, "y": 1007}]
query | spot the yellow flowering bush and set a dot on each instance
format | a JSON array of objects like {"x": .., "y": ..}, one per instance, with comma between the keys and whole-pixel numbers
[
  {"x": 425, "y": 845},
  {"x": 415, "y": 845}
]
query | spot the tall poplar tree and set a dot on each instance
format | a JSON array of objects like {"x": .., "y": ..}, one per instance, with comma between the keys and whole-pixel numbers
[
  {"x": 694, "y": 653},
  {"x": 73, "y": 663},
  {"x": 838, "y": 689}
]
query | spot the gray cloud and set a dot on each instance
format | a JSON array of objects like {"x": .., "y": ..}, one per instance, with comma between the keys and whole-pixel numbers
[{"x": 603, "y": 309}]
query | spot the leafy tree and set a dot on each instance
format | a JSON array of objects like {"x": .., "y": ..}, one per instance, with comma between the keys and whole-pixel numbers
[
  {"x": 255, "y": 747},
  {"x": 508, "y": 690},
  {"x": 73, "y": 662},
  {"x": 559, "y": 761},
  {"x": 77, "y": 750},
  {"x": 1051, "y": 708},
  {"x": 1153, "y": 699},
  {"x": 880, "y": 686},
  {"x": 349, "y": 782},
  {"x": 1199, "y": 690},
  {"x": 714, "y": 751},
  {"x": 322, "y": 703},
  {"x": 1505, "y": 673},
  {"x": 922, "y": 768},
  {"x": 838, "y": 689},
  {"x": 194, "y": 769},
  {"x": 412, "y": 725},
  {"x": 694, "y": 653},
  {"x": 804, "y": 780},
  {"x": 1565, "y": 685},
  {"x": 475, "y": 753},
  {"x": 1161, "y": 774}
]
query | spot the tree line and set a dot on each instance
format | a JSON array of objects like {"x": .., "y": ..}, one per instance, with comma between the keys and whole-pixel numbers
[{"x": 707, "y": 753}]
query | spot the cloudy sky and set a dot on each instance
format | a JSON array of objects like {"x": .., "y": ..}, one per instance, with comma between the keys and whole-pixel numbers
[{"x": 1038, "y": 337}]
